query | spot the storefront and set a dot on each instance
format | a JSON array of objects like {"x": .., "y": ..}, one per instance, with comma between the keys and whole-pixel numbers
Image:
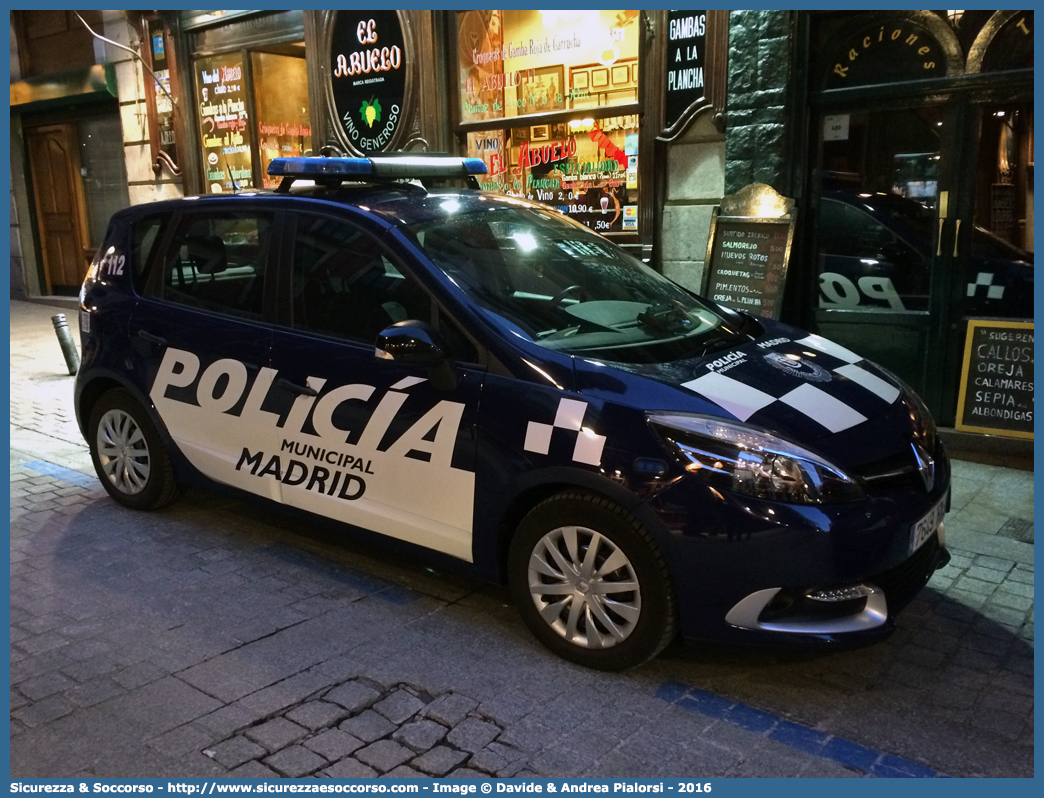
[
  {"x": 920, "y": 199},
  {"x": 247, "y": 78}
]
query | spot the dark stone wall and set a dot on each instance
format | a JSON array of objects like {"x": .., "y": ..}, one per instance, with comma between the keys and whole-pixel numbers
[{"x": 759, "y": 73}]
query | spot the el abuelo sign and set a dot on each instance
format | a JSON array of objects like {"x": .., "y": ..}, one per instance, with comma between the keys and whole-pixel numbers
[{"x": 369, "y": 68}]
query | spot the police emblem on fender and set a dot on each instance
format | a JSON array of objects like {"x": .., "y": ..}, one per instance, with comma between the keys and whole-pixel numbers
[{"x": 797, "y": 366}]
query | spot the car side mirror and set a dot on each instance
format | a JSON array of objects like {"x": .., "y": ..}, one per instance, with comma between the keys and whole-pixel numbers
[{"x": 417, "y": 343}]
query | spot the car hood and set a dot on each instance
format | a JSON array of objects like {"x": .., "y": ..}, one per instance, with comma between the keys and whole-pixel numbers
[{"x": 801, "y": 386}]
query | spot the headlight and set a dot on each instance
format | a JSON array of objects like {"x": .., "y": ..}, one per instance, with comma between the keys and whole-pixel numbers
[{"x": 730, "y": 456}]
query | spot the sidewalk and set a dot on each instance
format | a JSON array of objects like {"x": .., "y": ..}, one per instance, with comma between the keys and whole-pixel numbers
[{"x": 213, "y": 639}]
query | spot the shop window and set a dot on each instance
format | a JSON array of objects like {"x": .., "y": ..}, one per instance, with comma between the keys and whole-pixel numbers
[
  {"x": 103, "y": 172},
  {"x": 563, "y": 71},
  {"x": 164, "y": 116},
  {"x": 225, "y": 130},
  {"x": 281, "y": 99},
  {"x": 863, "y": 262},
  {"x": 585, "y": 168},
  {"x": 515, "y": 63}
]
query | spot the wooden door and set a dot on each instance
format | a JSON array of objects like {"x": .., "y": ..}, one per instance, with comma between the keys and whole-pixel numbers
[{"x": 61, "y": 217}]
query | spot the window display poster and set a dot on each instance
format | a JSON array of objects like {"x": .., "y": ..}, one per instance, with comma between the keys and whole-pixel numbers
[
  {"x": 580, "y": 168},
  {"x": 281, "y": 100},
  {"x": 224, "y": 129},
  {"x": 520, "y": 62}
]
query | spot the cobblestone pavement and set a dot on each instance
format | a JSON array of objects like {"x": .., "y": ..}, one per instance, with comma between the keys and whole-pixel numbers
[{"x": 213, "y": 638}]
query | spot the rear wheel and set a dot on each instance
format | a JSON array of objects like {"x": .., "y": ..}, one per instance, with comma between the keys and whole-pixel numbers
[
  {"x": 128, "y": 455},
  {"x": 590, "y": 582}
]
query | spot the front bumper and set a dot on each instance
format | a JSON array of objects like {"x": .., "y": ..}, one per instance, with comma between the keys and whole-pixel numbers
[{"x": 753, "y": 571}]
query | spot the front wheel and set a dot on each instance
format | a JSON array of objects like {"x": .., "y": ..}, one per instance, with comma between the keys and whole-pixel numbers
[
  {"x": 128, "y": 455},
  {"x": 590, "y": 582}
]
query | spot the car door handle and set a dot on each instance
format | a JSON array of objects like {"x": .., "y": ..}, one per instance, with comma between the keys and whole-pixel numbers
[
  {"x": 152, "y": 339},
  {"x": 295, "y": 388}
]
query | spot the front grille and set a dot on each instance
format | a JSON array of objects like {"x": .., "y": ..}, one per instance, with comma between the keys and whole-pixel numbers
[{"x": 902, "y": 583}]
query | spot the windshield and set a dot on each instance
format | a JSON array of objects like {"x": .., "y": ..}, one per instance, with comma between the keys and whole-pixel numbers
[{"x": 552, "y": 281}]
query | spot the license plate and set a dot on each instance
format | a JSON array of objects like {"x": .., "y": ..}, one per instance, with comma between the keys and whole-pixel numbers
[{"x": 925, "y": 528}]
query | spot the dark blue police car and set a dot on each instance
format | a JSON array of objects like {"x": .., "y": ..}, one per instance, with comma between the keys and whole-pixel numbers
[{"x": 479, "y": 377}]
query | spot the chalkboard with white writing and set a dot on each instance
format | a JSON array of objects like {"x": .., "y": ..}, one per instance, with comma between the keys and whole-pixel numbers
[
  {"x": 748, "y": 250},
  {"x": 996, "y": 393}
]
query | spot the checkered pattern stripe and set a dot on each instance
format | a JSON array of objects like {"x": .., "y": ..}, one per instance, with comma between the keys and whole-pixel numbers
[
  {"x": 985, "y": 279},
  {"x": 569, "y": 418},
  {"x": 743, "y": 400}
]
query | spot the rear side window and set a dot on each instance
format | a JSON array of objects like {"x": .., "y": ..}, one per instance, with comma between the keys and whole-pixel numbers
[
  {"x": 146, "y": 236},
  {"x": 217, "y": 262}
]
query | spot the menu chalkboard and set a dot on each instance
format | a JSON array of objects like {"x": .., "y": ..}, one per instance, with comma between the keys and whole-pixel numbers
[
  {"x": 747, "y": 263},
  {"x": 996, "y": 393}
]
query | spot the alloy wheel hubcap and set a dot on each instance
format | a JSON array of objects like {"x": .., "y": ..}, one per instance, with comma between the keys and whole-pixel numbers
[
  {"x": 123, "y": 452},
  {"x": 584, "y": 587}
]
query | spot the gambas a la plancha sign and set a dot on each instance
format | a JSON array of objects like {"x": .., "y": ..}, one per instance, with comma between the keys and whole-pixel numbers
[{"x": 370, "y": 56}]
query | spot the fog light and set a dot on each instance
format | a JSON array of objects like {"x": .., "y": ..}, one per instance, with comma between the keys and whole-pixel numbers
[{"x": 840, "y": 593}]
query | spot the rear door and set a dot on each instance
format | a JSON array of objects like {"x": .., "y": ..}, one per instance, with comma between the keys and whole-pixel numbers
[{"x": 201, "y": 331}]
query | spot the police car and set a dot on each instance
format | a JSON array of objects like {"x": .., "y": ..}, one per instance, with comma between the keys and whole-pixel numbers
[{"x": 478, "y": 377}]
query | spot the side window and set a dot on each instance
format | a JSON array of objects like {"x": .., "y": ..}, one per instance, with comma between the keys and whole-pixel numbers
[
  {"x": 345, "y": 284},
  {"x": 217, "y": 262}
]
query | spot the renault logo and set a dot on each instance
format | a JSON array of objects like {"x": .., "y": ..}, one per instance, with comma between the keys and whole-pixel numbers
[{"x": 925, "y": 466}]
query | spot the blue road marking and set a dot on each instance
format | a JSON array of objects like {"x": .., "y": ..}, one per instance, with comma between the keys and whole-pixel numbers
[
  {"x": 62, "y": 473},
  {"x": 803, "y": 738}
]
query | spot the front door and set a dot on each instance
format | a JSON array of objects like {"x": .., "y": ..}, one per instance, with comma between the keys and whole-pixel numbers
[
  {"x": 54, "y": 165},
  {"x": 366, "y": 440}
]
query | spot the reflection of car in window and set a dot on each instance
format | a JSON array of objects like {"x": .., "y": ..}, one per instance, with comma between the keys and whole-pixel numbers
[{"x": 875, "y": 252}]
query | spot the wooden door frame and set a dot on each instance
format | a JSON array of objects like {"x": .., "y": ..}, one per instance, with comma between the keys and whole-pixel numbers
[{"x": 71, "y": 132}]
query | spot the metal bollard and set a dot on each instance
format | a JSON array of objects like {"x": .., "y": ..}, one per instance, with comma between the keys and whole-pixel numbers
[{"x": 61, "y": 329}]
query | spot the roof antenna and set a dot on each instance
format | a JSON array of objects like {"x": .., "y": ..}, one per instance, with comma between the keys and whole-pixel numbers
[{"x": 235, "y": 185}]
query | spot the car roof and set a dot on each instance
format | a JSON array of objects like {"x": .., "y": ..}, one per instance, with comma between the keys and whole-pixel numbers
[{"x": 395, "y": 203}]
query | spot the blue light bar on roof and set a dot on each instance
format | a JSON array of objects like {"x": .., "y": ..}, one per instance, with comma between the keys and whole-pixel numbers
[{"x": 382, "y": 166}]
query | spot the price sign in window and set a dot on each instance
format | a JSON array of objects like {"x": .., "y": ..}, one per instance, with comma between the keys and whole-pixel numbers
[{"x": 585, "y": 168}]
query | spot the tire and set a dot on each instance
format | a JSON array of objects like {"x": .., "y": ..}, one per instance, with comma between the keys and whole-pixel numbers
[
  {"x": 128, "y": 454},
  {"x": 575, "y": 607}
]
